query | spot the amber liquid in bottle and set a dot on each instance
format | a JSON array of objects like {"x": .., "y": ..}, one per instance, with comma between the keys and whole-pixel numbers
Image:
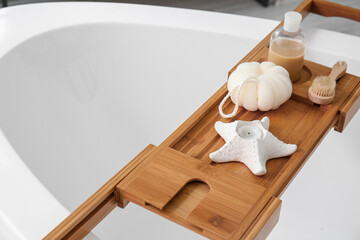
[{"x": 289, "y": 54}]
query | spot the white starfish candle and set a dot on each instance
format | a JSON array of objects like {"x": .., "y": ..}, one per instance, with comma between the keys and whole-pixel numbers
[{"x": 250, "y": 143}]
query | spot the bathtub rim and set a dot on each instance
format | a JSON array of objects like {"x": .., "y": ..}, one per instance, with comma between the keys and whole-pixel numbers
[
  {"x": 17, "y": 16},
  {"x": 34, "y": 15}
]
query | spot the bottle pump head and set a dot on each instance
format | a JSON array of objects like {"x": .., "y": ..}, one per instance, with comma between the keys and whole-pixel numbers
[{"x": 292, "y": 21}]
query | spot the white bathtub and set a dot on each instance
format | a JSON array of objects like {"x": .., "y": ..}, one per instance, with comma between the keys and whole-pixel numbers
[{"x": 85, "y": 86}]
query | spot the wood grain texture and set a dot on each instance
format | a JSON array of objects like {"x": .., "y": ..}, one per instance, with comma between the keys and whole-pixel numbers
[
  {"x": 187, "y": 199},
  {"x": 331, "y": 9},
  {"x": 348, "y": 110},
  {"x": 217, "y": 214},
  {"x": 265, "y": 222},
  {"x": 91, "y": 220},
  {"x": 73, "y": 223}
]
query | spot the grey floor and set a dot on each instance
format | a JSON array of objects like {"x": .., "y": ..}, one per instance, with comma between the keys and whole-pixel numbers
[{"x": 251, "y": 8}]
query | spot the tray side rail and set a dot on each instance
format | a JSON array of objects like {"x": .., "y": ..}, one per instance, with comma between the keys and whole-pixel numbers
[
  {"x": 266, "y": 221},
  {"x": 331, "y": 9},
  {"x": 80, "y": 222},
  {"x": 348, "y": 110}
]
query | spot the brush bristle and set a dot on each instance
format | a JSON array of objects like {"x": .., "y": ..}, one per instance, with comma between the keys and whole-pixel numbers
[{"x": 323, "y": 86}]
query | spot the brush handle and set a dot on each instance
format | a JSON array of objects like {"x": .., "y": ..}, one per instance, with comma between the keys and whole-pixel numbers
[{"x": 338, "y": 70}]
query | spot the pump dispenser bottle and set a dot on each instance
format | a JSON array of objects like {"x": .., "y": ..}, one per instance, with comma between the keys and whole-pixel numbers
[{"x": 287, "y": 45}]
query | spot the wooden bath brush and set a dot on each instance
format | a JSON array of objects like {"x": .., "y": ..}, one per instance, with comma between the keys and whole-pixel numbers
[{"x": 322, "y": 90}]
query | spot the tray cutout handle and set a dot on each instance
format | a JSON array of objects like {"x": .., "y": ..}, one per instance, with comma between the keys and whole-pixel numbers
[
  {"x": 160, "y": 181},
  {"x": 188, "y": 198}
]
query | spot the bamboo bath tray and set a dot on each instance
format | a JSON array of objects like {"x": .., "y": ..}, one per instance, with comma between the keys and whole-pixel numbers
[{"x": 178, "y": 181}]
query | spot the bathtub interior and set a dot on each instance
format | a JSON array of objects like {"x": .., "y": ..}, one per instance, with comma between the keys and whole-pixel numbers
[{"x": 78, "y": 103}]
